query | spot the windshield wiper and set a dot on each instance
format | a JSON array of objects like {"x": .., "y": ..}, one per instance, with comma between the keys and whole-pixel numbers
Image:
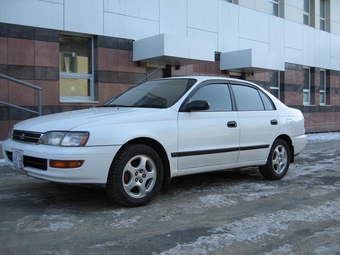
[
  {"x": 150, "y": 106},
  {"x": 114, "y": 105}
]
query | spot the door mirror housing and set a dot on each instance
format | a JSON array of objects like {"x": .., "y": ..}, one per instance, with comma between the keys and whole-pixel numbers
[{"x": 197, "y": 105}]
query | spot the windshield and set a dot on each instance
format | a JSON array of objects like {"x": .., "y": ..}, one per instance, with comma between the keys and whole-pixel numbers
[{"x": 161, "y": 93}]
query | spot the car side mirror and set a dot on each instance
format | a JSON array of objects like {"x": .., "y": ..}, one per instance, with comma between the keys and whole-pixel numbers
[{"x": 197, "y": 105}]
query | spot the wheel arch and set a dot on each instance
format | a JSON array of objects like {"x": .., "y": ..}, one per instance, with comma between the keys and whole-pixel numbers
[
  {"x": 287, "y": 139},
  {"x": 160, "y": 151}
]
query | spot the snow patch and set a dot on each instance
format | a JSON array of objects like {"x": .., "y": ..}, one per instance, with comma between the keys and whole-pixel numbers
[
  {"x": 323, "y": 137},
  {"x": 116, "y": 213},
  {"x": 217, "y": 201},
  {"x": 45, "y": 222},
  {"x": 251, "y": 229},
  {"x": 125, "y": 223}
]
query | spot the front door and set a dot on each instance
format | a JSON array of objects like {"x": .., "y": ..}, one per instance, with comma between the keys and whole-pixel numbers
[{"x": 209, "y": 137}]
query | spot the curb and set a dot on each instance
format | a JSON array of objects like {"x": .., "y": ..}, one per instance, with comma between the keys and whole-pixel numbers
[{"x": 2, "y": 162}]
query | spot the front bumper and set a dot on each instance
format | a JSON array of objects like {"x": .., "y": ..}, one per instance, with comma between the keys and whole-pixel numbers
[{"x": 97, "y": 161}]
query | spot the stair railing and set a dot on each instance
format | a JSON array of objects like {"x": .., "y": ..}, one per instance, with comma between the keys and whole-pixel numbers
[{"x": 39, "y": 112}]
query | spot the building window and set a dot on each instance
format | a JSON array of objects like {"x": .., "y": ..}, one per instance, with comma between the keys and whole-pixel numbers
[
  {"x": 323, "y": 86},
  {"x": 275, "y": 83},
  {"x": 322, "y": 15},
  {"x": 76, "y": 68},
  {"x": 274, "y": 7},
  {"x": 306, "y": 86},
  {"x": 306, "y": 12}
]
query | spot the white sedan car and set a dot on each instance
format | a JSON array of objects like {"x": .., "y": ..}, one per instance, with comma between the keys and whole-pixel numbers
[{"x": 158, "y": 130}]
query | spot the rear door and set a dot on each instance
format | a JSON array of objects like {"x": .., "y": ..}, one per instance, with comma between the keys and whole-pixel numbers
[
  {"x": 258, "y": 120},
  {"x": 209, "y": 137}
]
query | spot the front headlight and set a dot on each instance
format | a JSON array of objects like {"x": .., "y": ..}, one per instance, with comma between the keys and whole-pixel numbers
[
  {"x": 10, "y": 134},
  {"x": 70, "y": 139},
  {"x": 74, "y": 139}
]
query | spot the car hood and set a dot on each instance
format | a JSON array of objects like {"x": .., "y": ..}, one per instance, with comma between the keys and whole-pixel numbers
[{"x": 88, "y": 117}]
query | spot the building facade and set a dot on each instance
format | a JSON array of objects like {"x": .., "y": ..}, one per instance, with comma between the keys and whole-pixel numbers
[{"x": 83, "y": 52}]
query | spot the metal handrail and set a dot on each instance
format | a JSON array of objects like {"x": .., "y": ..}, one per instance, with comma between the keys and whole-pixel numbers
[{"x": 39, "y": 112}]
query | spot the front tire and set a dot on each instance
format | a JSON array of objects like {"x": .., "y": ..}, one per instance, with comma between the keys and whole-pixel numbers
[
  {"x": 278, "y": 161},
  {"x": 135, "y": 175}
]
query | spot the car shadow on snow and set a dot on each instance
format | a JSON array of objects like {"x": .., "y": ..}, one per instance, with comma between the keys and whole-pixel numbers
[
  {"x": 84, "y": 199},
  {"x": 213, "y": 179},
  {"x": 237, "y": 174}
]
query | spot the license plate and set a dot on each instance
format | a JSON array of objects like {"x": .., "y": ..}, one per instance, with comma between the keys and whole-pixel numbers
[{"x": 18, "y": 160}]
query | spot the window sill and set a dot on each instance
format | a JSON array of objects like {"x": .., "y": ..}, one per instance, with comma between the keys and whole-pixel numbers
[
  {"x": 316, "y": 105},
  {"x": 78, "y": 101}
]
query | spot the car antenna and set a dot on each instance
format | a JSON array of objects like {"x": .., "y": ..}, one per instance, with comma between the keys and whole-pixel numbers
[{"x": 151, "y": 73}]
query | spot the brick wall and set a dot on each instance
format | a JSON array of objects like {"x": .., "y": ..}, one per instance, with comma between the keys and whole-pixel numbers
[
  {"x": 32, "y": 55},
  {"x": 319, "y": 118}
]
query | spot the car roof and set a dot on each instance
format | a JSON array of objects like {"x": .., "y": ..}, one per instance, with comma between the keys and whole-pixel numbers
[{"x": 204, "y": 78}]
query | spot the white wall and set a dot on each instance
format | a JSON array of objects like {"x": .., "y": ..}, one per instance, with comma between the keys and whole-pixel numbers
[
  {"x": 293, "y": 10},
  {"x": 258, "y": 5},
  {"x": 230, "y": 27},
  {"x": 335, "y": 16},
  {"x": 253, "y": 30},
  {"x": 202, "y": 20},
  {"x": 173, "y": 17},
  {"x": 85, "y": 16},
  {"x": 131, "y": 19},
  {"x": 48, "y": 14}
]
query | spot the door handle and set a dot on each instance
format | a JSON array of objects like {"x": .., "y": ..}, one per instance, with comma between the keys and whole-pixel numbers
[
  {"x": 232, "y": 124},
  {"x": 274, "y": 122}
]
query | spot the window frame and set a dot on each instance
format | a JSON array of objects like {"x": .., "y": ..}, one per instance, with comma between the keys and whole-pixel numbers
[
  {"x": 305, "y": 90},
  {"x": 274, "y": 3},
  {"x": 89, "y": 76},
  {"x": 323, "y": 91},
  {"x": 323, "y": 15},
  {"x": 306, "y": 13},
  {"x": 278, "y": 84}
]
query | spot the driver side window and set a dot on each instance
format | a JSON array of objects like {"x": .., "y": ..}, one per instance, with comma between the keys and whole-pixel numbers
[{"x": 217, "y": 95}]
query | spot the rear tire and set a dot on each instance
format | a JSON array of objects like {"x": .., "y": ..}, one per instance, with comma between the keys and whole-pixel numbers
[
  {"x": 278, "y": 161},
  {"x": 135, "y": 176}
]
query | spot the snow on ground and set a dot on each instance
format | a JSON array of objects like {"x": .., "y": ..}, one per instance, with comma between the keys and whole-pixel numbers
[
  {"x": 252, "y": 229},
  {"x": 44, "y": 223},
  {"x": 323, "y": 137}
]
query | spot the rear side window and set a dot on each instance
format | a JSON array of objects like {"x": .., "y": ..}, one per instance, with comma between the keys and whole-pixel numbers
[
  {"x": 217, "y": 95},
  {"x": 247, "y": 98},
  {"x": 268, "y": 104}
]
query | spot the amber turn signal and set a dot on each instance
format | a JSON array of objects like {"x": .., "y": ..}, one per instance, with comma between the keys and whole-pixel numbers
[{"x": 66, "y": 163}]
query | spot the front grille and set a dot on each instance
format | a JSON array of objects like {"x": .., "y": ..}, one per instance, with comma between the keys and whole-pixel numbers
[
  {"x": 27, "y": 137},
  {"x": 38, "y": 163}
]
